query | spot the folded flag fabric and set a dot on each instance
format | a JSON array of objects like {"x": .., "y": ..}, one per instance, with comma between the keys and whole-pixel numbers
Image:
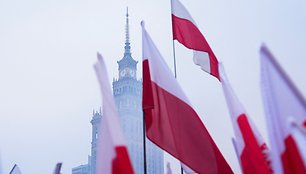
[{"x": 170, "y": 120}]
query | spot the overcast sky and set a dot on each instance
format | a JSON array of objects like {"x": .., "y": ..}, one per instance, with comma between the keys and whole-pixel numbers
[{"x": 48, "y": 88}]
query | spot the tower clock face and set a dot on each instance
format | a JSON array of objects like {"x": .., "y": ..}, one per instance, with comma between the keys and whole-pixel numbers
[
  {"x": 132, "y": 73},
  {"x": 123, "y": 72},
  {"x": 128, "y": 72}
]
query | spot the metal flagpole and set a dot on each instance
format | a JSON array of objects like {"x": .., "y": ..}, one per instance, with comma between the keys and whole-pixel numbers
[
  {"x": 144, "y": 146},
  {"x": 174, "y": 59},
  {"x": 175, "y": 75}
]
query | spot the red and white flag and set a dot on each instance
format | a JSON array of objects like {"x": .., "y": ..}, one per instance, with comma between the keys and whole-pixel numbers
[
  {"x": 170, "y": 120},
  {"x": 112, "y": 154},
  {"x": 250, "y": 146},
  {"x": 187, "y": 33},
  {"x": 283, "y": 105}
]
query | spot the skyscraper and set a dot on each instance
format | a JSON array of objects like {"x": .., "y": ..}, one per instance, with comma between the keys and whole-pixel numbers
[{"x": 127, "y": 91}]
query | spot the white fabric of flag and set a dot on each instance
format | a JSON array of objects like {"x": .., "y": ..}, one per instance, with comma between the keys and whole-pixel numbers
[
  {"x": 283, "y": 105},
  {"x": 112, "y": 154},
  {"x": 251, "y": 149},
  {"x": 170, "y": 120}
]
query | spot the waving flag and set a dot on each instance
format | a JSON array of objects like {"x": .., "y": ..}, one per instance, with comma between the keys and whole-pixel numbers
[
  {"x": 250, "y": 146},
  {"x": 170, "y": 120},
  {"x": 112, "y": 154},
  {"x": 283, "y": 105},
  {"x": 187, "y": 33}
]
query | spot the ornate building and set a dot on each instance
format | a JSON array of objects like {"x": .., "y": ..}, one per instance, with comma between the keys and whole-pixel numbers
[
  {"x": 95, "y": 122},
  {"x": 127, "y": 91},
  {"x": 90, "y": 167}
]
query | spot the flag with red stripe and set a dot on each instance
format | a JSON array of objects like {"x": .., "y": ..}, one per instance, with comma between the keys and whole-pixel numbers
[
  {"x": 170, "y": 120},
  {"x": 112, "y": 154},
  {"x": 250, "y": 146},
  {"x": 187, "y": 33},
  {"x": 283, "y": 105}
]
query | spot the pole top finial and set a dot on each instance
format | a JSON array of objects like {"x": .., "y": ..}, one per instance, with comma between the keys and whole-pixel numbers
[
  {"x": 127, "y": 34},
  {"x": 142, "y": 23},
  {"x": 127, "y": 11}
]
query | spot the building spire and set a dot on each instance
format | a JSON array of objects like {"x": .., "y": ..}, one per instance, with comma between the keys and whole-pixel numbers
[
  {"x": 127, "y": 60},
  {"x": 127, "y": 48}
]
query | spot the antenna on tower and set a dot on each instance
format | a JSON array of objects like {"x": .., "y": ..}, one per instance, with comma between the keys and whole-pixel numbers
[{"x": 127, "y": 33}]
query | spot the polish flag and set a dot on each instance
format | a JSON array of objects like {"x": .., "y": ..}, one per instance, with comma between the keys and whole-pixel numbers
[
  {"x": 112, "y": 154},
  {"x": 284, "y": 105},
  {"x": 187, "y": 33},
  {"x": 250, "y": 146},
  {"x": 170, "y": 121}
]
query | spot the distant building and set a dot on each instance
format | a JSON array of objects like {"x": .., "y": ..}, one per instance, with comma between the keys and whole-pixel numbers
[
  {"x": 90, "y": 167},
  {"x": 82, "y": 169},
  {"x": 127, "y": 91},
  {"x": 95, "y": 122}
]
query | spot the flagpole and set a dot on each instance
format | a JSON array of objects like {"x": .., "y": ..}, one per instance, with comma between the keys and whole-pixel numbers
[
  {"x": 174, "y": 59},
  {"x": 174, "y": 64},
  {"x": 144, "y": 146},
  {"x": 175, "y": 74}
]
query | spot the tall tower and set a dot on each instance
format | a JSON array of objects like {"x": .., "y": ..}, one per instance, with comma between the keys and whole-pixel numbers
[
  {"x": 95, "y": 122},
  {"x": 127, "y": 91}
]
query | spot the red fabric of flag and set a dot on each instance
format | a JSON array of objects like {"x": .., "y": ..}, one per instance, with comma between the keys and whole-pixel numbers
[
  {"x": 187, "y": 33},
  {"x": 170, "y": 120}
]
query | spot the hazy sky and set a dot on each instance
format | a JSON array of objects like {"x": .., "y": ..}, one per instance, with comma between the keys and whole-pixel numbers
[{"x": 48, "y": 88}]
